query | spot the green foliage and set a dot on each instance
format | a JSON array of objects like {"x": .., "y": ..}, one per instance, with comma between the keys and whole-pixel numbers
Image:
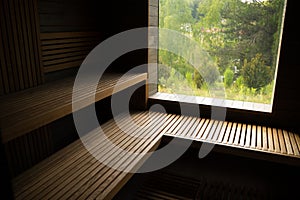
[
  {"x": 256, "y": 74},
  {"x": 236, "y": 35},
  {"x": 228, "y": 77},
  {"x": 198, "y": 79}
]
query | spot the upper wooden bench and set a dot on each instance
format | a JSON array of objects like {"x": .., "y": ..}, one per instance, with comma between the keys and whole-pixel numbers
[{"x": 30, "y": 109}]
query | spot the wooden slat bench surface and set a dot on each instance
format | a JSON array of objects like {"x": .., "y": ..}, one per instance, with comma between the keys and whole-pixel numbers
[
  {"x": 74, "y": 173},
  {"x": 267, "y": 140},
  {"x": 30, "y": 109}
]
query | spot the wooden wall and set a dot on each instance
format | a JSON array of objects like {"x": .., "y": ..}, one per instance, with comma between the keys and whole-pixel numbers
[
  {"x": 286, "y": 100},
  {"x": 20, "y": 54},
  {"x": 69, "y": 15}
]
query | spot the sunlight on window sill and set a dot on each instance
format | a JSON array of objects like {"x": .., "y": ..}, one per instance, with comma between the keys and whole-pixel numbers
[{"x": 241, "y": 105}]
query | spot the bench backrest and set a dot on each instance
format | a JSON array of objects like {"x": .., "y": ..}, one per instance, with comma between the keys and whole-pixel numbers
[{"x": 66, "y": 50}]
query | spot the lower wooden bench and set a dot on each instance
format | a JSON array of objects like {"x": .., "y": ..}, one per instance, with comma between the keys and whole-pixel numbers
[{"x": 74, "y": 173}]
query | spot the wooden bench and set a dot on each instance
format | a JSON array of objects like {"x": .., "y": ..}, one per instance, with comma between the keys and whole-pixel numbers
[
  {"x": 74, "y": 173},
  {"x": 30, "y": 109},
  {"x": 245, "y": 139}
]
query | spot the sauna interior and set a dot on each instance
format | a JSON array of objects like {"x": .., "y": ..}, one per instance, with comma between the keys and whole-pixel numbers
[{"x": 255, "y": 155}]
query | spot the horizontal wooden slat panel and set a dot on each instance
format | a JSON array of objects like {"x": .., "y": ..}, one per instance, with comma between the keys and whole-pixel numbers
[{"x": 66, "y": 49}]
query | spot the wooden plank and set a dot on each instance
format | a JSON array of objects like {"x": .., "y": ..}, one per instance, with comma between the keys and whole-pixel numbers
[
  {"x": 194, "y": 123},
  {"x": 232, "y": 133},
  {"x": 264, "y": 138},
  {"x": 65, "y": 55},
  {"x": 190, "y": 126},
  {"x": 46, "y": 54},
  {"x": 36, "y": 14},
  {"x": 248, "y": 136},
  {"x": 276, "y": 140},
  {"x": 237, "y": 135},
  {"x": 66, "y": 35},
  {"x": 259, "y": 137},
  {"x": 253, "y": 136},
  {"x": 69, "y": 40},
  {"x": 3, "y": 58},
  {"x": 208, "y": 130},
  {"x": 227, "y": 134},
  {"x": 198, "y": 128},
  {"x": 287, "y": 142},
  {"x": 31, "y": 42},
  {"x": 218, "y": 131},
  {"x": 202, "y": 130},
  {"x": 281, "y": 141},
  {"x": 222, "y": 132},
  {"x": 68, "y": 45},
  {"x": 64, "y": 60},
  {"x": 297, "y": 138},
  {"x": 17, "y": 46},
  {"x": 294, "y": 144},
  {"x": 8, "y": 42},
  {"x": 243, "y": 135},
  {"x": 270, "y": 140}
]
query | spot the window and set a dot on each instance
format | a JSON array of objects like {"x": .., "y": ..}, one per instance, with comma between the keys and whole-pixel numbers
[{"x": 242, "y": 41}]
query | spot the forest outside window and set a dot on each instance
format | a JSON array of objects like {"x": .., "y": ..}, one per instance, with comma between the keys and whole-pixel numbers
[{"x": 242, "y": 39}]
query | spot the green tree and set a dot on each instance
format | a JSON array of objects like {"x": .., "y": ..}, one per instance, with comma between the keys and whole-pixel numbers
[
  {"x": 228, "y": 77},
  {"x": 255, "y": 73}
]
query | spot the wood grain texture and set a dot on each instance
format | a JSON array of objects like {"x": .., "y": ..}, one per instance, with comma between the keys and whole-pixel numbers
[
  {"x": 74, "y": 173},
  {"x": 20, "y": 56},
  {"x": 30, "y": 109},
  {"x": 55, "y": 177},
  {"x": 64, "y": 50}
]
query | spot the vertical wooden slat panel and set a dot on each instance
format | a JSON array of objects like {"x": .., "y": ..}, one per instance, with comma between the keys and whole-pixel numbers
[
  {"x": 20, "y": 55},
  {"x": 35, "y": 39},
  {"x": 6, "y": 46},
  {"x": 17, "y": 46},
  {"x": 30, "y": 41},
  {"x": 22, "y": 52},
  {"x": 28, "y": 150}
]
